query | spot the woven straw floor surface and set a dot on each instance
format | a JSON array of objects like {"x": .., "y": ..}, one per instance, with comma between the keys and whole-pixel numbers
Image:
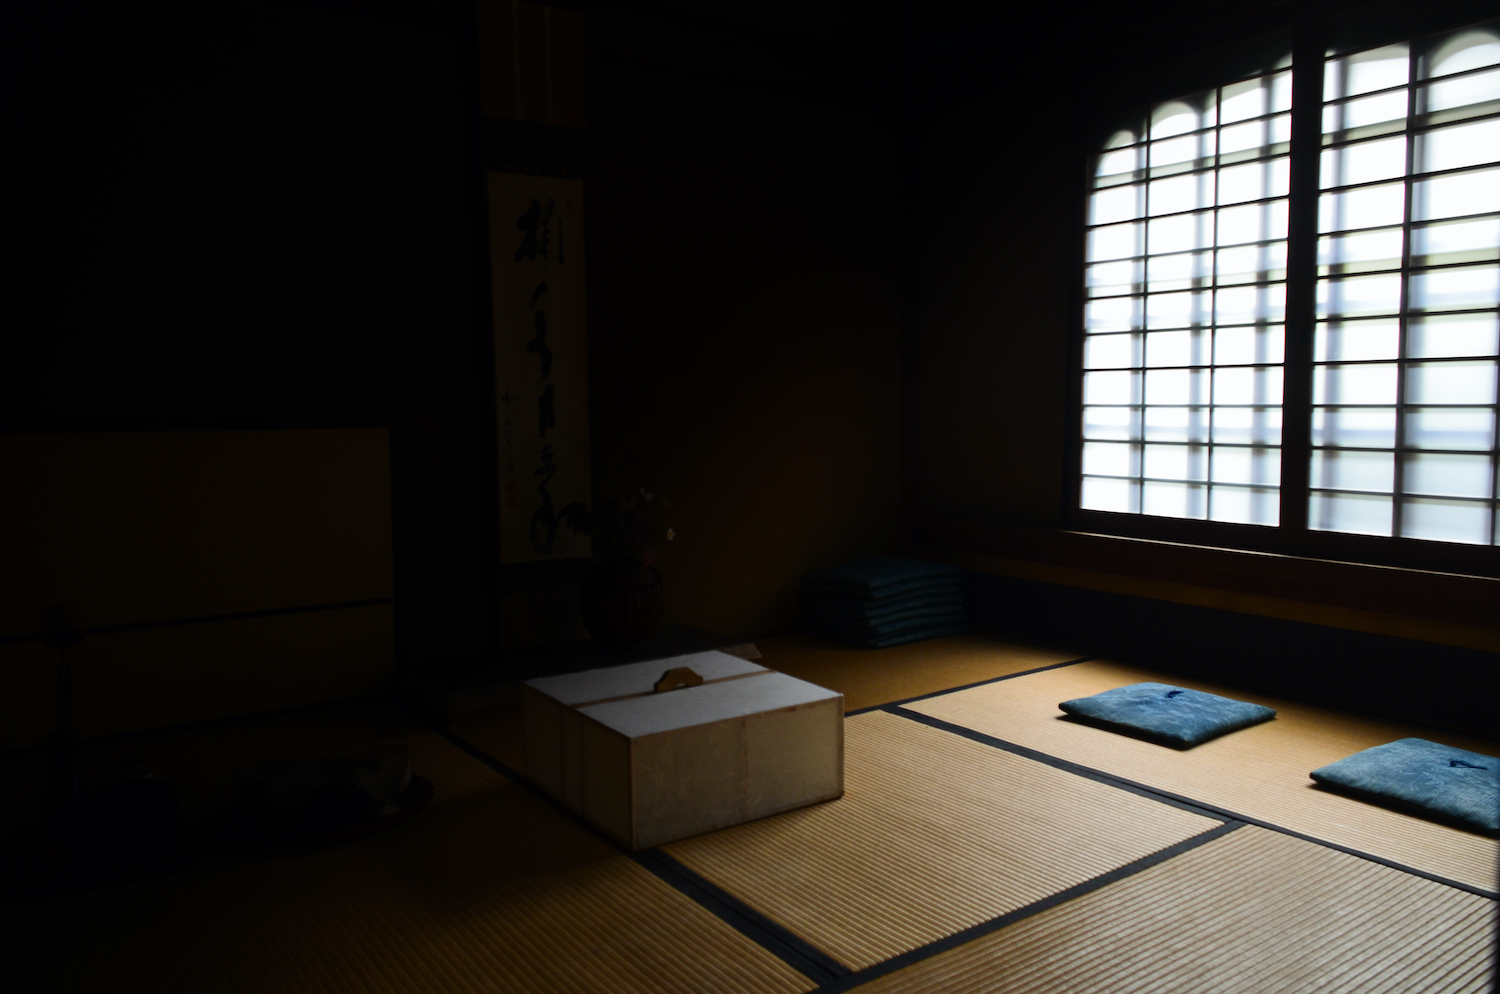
[
  {"x": 1258, "y": 772},
  {"x": 934, "y": 834}
]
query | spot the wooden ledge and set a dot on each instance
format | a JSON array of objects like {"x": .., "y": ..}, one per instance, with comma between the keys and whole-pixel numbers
[{"x": 1447, "y": 608}]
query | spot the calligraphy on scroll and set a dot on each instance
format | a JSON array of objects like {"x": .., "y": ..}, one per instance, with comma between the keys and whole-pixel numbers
[{"x": 541, "y": 362}]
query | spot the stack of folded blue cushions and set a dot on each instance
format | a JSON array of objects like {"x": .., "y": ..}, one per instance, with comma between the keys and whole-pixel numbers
[{"x": 884, "y": 601}]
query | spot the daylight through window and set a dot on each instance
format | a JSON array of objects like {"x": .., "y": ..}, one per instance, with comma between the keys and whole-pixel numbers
[{"x": 1185, "y": 284}]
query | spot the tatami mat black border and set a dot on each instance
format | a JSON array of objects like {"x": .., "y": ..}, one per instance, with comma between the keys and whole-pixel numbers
[
  {"x": 1177, "y": 800},
  {"x": 797, "y": 953},
  {"x": 967, "y": 686},
  {"x": 1036, "y": 907}
]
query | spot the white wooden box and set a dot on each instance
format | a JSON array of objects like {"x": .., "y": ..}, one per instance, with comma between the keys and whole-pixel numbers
[{"x": 651, "y": 768}]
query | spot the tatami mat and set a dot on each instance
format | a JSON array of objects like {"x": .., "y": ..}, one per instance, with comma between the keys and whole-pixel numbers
[
  {"x": 1259, "y": 772},
  {"x": 1254, "y": 911},
  {"x": 867, "y": 677},
  {"x": 488, "y": 889},
  {"x": 935, "y": 834}
]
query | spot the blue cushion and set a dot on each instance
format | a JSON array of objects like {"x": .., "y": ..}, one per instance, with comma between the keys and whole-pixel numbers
[
  {"x": 844, "y": 628},
  {"x": 933, "y": 607},
  {"x": 882, "y": 574},
  {"x": 1431, "y": 777},
  {"x": 1174, "y": 715}
]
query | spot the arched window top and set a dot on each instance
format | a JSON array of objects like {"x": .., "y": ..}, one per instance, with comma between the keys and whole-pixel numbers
[
  {"x": 1470, "y": 50},
  {"x": 1121, "y": 138},
  {"x": 1366, "y": 72},
  {"x": 1178, "y": 117}
]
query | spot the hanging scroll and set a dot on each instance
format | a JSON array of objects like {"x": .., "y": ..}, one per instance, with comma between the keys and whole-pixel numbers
[{"x": 541, "y": 362}]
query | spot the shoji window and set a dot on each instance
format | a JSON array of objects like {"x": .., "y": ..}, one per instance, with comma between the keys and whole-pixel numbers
[
  {"x": 1404, "y": 385},
  {"x": 1186, "y": 270},
  {"x": 1186, "y": 286}
]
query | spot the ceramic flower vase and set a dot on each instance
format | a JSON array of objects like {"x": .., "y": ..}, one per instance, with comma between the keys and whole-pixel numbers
[{"x": 622, "y": 606}]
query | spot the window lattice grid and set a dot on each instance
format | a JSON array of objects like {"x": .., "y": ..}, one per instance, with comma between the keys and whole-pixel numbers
[
  {"x": 1407, "y": 339},
  {"x": 1186, "y": 307}
]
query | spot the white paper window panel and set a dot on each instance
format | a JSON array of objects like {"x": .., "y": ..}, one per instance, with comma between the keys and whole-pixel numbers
[
  {"x": 1247, "y": 304},
  {"x": 1354, "y": 427},
  {"x": 1363, "y": 383},
  {"x": 1358, "y": 514},
  {"x": 1247, "y": 425},
  {"x": 1364, "y": 72},
  {"x": 1187, "y": 148},
  {"x": 1446, "y": 520},
  {"x": 1125, "y": 160},
  {"x": 1474, "y": 144},
  {"x": 1111, "y": 351},
  {"x": 1176, "y": 387},
  {"x": 1248, "y": 386},
  {"x": 1177, "y": 348},
  {"x": 1365, "y": 111},
  {"x": 1450, "y": 428},
  {"x": 1112, "y": 314},
  {"x": 1362, "y": 251},
  {"x": 1253, "y": 181},
  {"x": 1175, "y": 194},
  {"x": 1251, "y": 223},
  {"x": 1251, "y": 263},
  {"x": 1108, "y": 279},
  {"x": 1464, "y": 51},
  {"x": 1245, "y": 505},
  {"x": 1236, "y": 464},
  {"x": 1456, "y": 195},
  {"x": 1255, "y": 97},
  {"x": 1174, "y": 500},
  {"x": 1363, "y": 207},
  {"x": 1452, "y": 382},
  {"x": 1364, "y": 162},
  {"x": 1464, "y": 91},
  {"x": 1353, "y": 469},
  {"x": 1456, "y": 241},
  {"x": 1176, "y": 117},
  {"x": 1448, "y": 474},
  {"x": 1176, "y": 424},
  {"x": 1180, "y": 234},
  {"x": 1118, "y": 203},
  {"x": 1112, "y": 387},
  {"x": 1107, "y": 494},
  {"x": 1111, "y": 459},
  {"x": 1117, "y": 241},
  {"x": 1251, "y": 345},
  {"x": 1259, "y": 135},
  {"x": 1358, "y": 295},
  {"x": 1442, "y": 335},
  {"x": 1180, "y": 271},
  {"x": 1460, "y": 288},
  {"x": 1355, "y": 341},
  {"x": 1178, "y": 310},
  {"x": 1121, "y": 424},
  {"x": 1175, "y": 462}
]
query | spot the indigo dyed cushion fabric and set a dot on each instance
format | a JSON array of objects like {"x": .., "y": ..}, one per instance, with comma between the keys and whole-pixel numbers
[
  {"x": 884, "y": 601},
  {"x": 882, "y": 573},
  {"x": 1174, "y": 715},
  {"x": 1431, "y": 777}
]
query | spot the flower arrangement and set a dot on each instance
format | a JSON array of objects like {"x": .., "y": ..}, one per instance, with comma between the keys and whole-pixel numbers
[{"x": 619, "y": 529}]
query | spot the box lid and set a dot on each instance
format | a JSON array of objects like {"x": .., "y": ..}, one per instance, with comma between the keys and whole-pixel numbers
[
  {"x": 610, "y": 682},
  {"x": 689, "y": 706}
]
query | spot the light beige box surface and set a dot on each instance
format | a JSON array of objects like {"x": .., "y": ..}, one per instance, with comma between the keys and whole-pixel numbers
[{"x": 651, "y": 768}]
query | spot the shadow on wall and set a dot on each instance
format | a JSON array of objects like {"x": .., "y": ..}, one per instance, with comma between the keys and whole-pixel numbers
[{"x": 141, "y": 528}]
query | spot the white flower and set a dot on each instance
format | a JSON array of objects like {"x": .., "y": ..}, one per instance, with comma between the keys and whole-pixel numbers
[{"x": 671, "y": 534}]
